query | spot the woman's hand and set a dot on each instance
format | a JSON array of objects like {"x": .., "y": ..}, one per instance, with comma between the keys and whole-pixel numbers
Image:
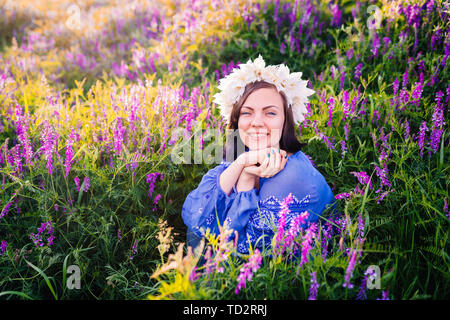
[
  {"x": 257, "y": 157},
  {"x": 274, "y": 161}
]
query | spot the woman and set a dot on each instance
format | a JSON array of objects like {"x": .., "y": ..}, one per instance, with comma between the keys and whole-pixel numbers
[{"x": 262, "y": 104}]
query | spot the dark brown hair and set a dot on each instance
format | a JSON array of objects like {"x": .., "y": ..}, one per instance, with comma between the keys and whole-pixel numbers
[{"x": 288, "y": 140}]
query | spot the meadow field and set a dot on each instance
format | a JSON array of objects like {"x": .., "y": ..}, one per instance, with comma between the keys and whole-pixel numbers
[{"x": 105, "y": 113}]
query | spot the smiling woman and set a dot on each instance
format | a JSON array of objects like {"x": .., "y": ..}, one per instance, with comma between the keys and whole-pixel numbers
[{"x": 247, "y": 192}]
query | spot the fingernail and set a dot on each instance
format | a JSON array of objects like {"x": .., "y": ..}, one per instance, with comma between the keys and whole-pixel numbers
[
  {"x": 285, "y": 156},
  {"x": 278, "y": 150},
  {"x": 268, "y": 154}
]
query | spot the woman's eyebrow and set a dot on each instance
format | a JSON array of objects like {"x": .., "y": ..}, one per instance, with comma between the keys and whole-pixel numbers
[{"x": 263, "y": 108}]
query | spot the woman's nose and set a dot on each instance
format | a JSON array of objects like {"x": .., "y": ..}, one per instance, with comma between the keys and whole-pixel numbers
[{"x": 258, "y": 120}]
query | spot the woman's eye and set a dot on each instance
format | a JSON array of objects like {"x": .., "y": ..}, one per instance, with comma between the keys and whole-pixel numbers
[{"x": 271, "y": 113}]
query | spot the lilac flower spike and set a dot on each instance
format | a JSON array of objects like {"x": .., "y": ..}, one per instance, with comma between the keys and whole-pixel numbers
[
  {"x": 310, "y": 235},
  {"x": 77, "y": 183},
  {"x": 422, "y": 136},
  {"x": 37, "y": 238},
  {"x": 87, "y": 184},
  {"x": 355, "y": 253},
  {"x": 69, "y": 154},
  {"x": 3, "y": 247},
  {"x": 282, "y": 214},
  {"x": 134, "y": 250},
  {"x": 314, "y": 287},
  {"x": 5, "y": 210},
  {"x": 49, "y": 140},
  {"x": 248, "y": 269}
]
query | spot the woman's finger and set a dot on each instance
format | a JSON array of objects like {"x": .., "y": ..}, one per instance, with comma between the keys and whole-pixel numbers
[
  {"x": 271, "y": 166},
  {"x": 277, "y": 160},
  {"x": 264, "y": 166}
]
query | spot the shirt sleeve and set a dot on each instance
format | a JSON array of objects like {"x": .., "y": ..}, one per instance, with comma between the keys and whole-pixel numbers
[{"x": 208, "y": 206}]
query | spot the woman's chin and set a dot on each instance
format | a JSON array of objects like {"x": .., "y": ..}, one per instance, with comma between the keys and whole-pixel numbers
[{"x": 254, "y": 147}]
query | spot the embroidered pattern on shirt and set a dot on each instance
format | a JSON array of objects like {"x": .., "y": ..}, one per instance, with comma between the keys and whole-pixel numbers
[
  {"x": 265, "y": 220},
  {"x": 210, "y": 219}
]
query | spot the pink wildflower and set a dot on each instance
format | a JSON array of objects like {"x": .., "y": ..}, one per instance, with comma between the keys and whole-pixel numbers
[
  {"x": 314, "y": 286},
  {"x": 248, "y": 269},
  {"x": 69, "y": 154},
  {"x": 87, "y": 184},
  {"x": 77, "y": 183},
  {"x": 310, "y": 235}
]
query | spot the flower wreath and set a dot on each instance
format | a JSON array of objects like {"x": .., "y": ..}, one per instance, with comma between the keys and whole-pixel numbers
[{"x": 291, "y": 84}]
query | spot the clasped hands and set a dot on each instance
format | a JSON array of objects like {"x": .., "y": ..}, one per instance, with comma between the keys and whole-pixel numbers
[{"x": 270, "y": 160}]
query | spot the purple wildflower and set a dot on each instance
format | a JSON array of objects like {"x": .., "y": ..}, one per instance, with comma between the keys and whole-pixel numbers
[
  {"x": 310, "y": 235},
  {"x": 282, "y": 214},
  {"x": 3, "y": 247},
  {"x": 405, "y": 78},
  {"x": 69, "y": 153},
  {"x": 134, "y": 250},
  {"x": 49, "y": 140},
  {"x": 77, "y": 183},
  {"x": 368, "y": 275},
  {"x": 344, "y": 195},
  {"x": 22, "y": 135},
  {"x": 294, "y": 230},
  {"x": 87, "y": 184},
  {"x": 422, "y": 136},
  {"x": 314, "y": 286},
  {"x": 360, "y": 226},
  {"x": 383, "y": 195},
  {"x": 119, "y": 235},
  {"x": 346, "y": 131},
  {"x": 358, "y": 73},
  {"x": 384, "y": 295},
  {"x": 14, "y": 157},
  {"x": 345, "y": 99},
  {"x": 395, "y": 87},
  {"x": 155, "y": 201},
  {"x": 438, "y": 123},
  {"x": 375, "y": 45},
  {"x": 386, "y": 42},
  {"x": 336, "y": 14},
  {"x": 383, "y": 175},
  {"x": 363, "y": 178},
  {"x": 119, "y": 131},
  {"x": 330, "y": 111},
  {"x": 5, "y": 210},
  {"x": 194, "y": 275},
  {"x": 282, "y": 48},
  {"x": 248, "y": 269},
  {"x": 37, "y": 238},
  {"x": 343, "y": 148},
  {"x": 351, "y": 266},
  {"x": 406, "y": 135},
  {"x": 151, "y": 179},
  {"x": 417, "y": 93}
]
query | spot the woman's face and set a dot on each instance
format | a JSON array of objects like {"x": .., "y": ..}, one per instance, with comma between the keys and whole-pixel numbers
[{"x": 261, "y": 119}]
